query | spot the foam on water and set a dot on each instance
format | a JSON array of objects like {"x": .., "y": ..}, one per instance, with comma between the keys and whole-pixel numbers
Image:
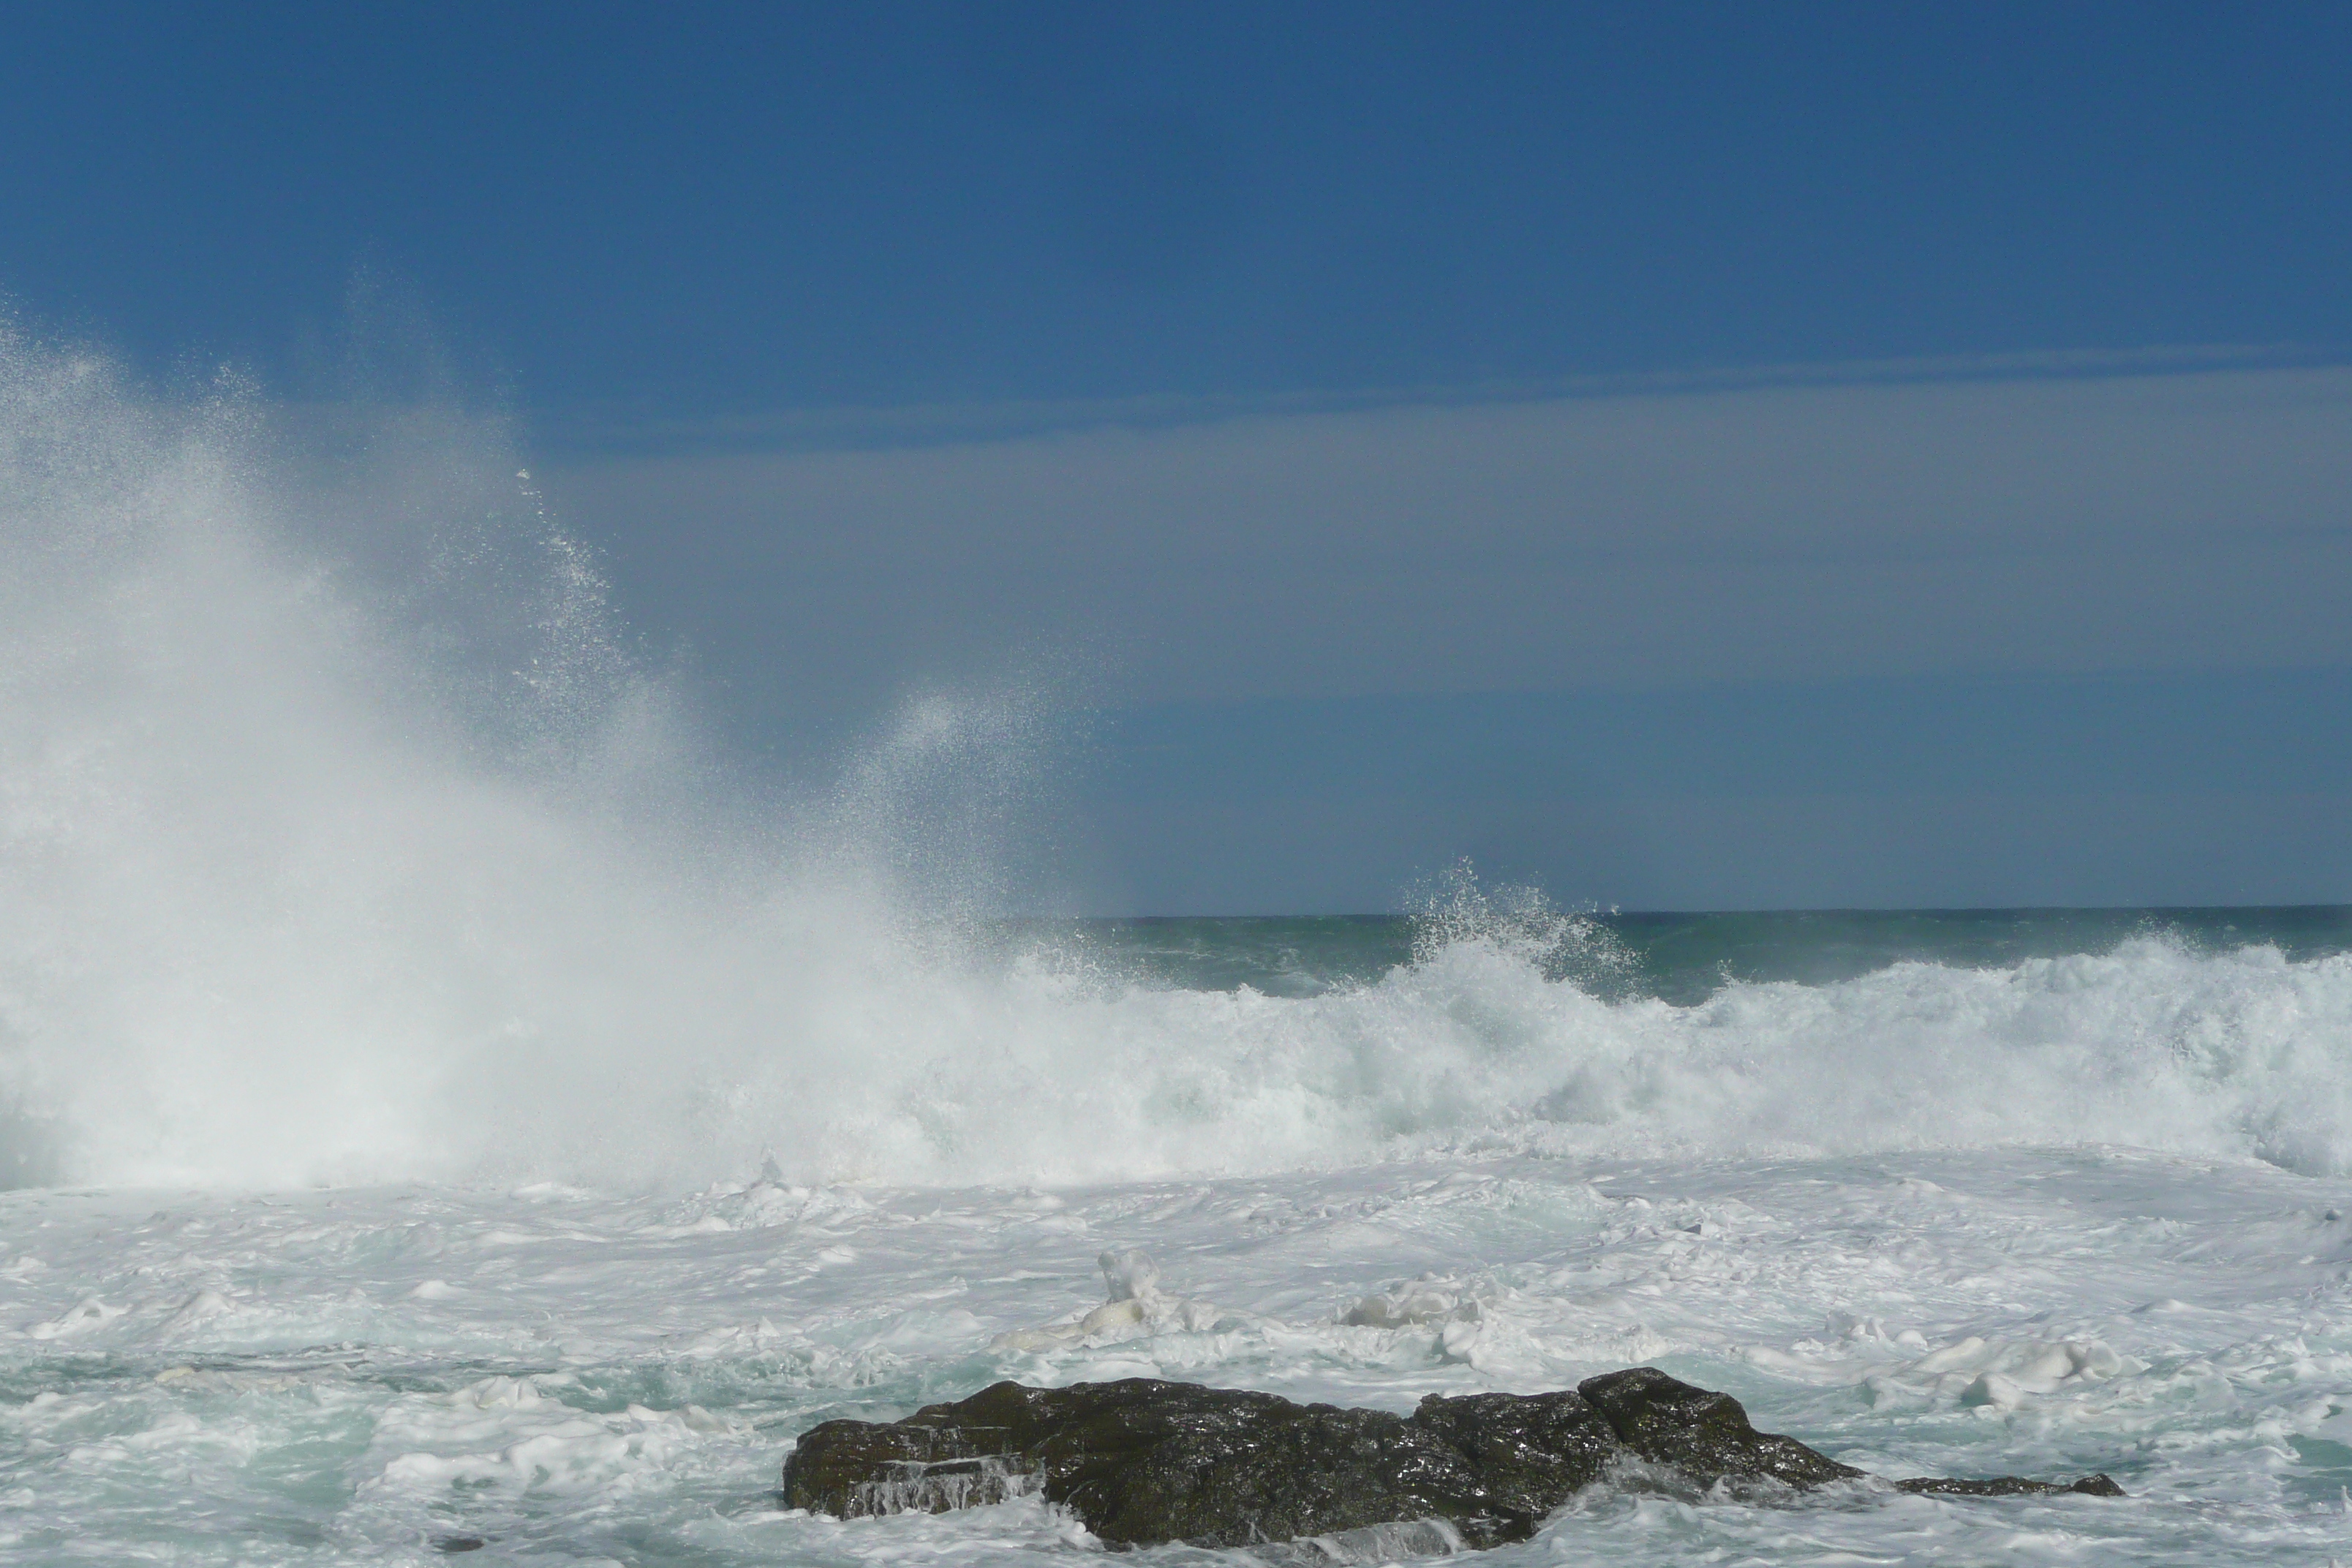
[
  {"x": 355, "y": 1376},
  {"x": 341, "y": 838}
]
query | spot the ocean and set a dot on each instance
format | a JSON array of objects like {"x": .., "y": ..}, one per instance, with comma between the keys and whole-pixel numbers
[{"x": 447, "y": 1110}]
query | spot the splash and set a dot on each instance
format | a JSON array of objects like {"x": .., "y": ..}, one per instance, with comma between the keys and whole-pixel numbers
[{"x": 344, "y": 838}]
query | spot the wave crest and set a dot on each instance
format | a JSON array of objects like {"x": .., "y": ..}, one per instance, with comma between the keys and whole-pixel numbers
[{"x": 341, "y": 838}]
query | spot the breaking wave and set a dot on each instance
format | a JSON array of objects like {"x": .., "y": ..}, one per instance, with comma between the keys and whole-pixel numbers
[{"x": 345, "y": 838}]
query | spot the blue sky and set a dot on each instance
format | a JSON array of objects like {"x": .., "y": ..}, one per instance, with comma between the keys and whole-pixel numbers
[
  {"x": 1683, "y": 455},
  {"x": 702, "y": 209}
]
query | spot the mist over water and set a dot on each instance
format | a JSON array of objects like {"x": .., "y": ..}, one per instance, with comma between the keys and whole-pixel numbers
[{"x": 344, "y": 838}]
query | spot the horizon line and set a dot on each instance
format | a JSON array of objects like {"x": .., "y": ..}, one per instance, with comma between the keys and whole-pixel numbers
[{"x": 1617, "y": 912}]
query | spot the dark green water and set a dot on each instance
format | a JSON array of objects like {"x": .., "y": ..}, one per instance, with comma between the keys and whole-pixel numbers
[{"x": 1686, "y": 958}]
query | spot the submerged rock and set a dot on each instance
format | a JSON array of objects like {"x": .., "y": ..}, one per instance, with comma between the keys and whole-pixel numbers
[
  {"x": 2010, "y": 1486},
  {"x": 1141, "y": 1461}
]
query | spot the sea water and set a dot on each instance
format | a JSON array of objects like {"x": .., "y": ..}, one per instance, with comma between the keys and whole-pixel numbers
[{"x": 448, "y": 1113}]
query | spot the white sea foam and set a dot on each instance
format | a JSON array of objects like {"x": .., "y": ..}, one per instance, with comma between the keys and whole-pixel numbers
[
  {"x": 353, "y": 1375},
  {"x": 341, "y": 839}
]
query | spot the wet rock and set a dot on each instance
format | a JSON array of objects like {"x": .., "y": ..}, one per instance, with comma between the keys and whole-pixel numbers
[
  {"x": 1532, "y": 1451},
  {"x": 2011, "y": 1486},
  {"x": 1702, "y": 1434},
  {"x": 1141, "y": 1461}
]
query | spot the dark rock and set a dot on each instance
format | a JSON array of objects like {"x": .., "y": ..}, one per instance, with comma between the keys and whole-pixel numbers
[
  {"x": 2011, "y": 1486},
  {"x": 1140, "y": 1461},
  {"x": 1144, "y": 1461},
  {"x": 1534, "y": 1451},
  {"x": 1703, "y": 1434}
]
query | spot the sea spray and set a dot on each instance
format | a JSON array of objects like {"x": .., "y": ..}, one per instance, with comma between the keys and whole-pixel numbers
[{"x": 344, "y": 836}]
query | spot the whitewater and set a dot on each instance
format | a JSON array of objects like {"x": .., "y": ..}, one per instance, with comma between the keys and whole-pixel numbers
[{"x": 447, "y": 1107}]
